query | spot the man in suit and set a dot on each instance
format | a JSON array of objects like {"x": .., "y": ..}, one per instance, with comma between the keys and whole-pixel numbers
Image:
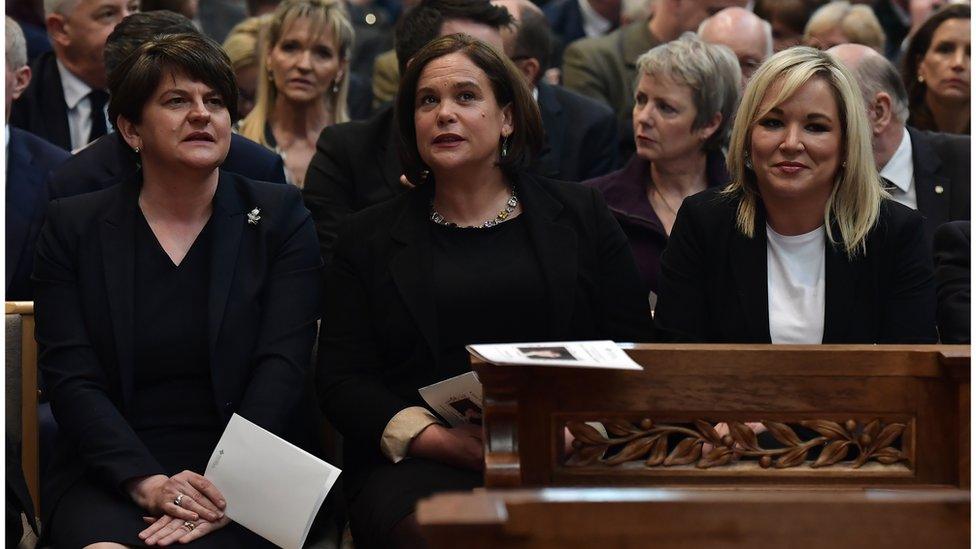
[
  {"x": 581, "y": 133},
  {"x": 749, "y": 37},
  {"x": 66, "y": 100},
  {"x": 29, "y": 160},
  {"x": 571, "y": 20},
  {"x": 356, "y": 164},
  {"x": 109, "y": 160},
  {"x": 605, "y": 67},
  {"x": 925, "y": 171}
]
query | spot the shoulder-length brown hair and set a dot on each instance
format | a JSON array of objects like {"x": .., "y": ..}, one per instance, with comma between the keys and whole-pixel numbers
[{"x": 507, "y": 84}]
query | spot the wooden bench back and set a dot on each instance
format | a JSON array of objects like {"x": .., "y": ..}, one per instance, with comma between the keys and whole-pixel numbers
[
  {"x": 22, "y": 396},
  {"x": 837, "y": 416}
]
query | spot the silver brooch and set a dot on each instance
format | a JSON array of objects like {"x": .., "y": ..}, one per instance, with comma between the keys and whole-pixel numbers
[{"x": 253, "y": 216}]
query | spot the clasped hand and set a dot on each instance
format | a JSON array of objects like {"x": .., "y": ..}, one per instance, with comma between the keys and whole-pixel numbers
[
  {"x": 199, "y": 512},
  {"x": 459, "y": 446}
]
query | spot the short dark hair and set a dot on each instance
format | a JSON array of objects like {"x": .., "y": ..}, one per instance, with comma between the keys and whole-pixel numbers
[
  {"x": 507, "y": 84},
  {"x": 423, "y": 23},
  {"x": 139, "y": 28},
  {"x": 532, "y": 39},
  {"x": 918, "y": 45},
  {"x": 198, "y": 57}
]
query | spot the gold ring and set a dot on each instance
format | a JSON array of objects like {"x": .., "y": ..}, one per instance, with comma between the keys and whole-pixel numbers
[{"x": 189, "y": 525}]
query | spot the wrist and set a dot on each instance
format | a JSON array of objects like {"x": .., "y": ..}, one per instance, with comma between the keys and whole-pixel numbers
[
  {"x": 139, "y": 488},
  {"x": 427, "y": 442}
]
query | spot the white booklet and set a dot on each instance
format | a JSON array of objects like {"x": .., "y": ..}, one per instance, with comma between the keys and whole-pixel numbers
[
  {"x": 272, "y": 487},
  {"x": 457, "y": 400},
  {"x": 575, "y": 354}
]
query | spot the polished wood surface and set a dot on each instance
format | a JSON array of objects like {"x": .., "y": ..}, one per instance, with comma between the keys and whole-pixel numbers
[
  {"x": 915, "y": 398},
  {"x": 30, "y": 445},
  {"x": 568, "y": 518}
]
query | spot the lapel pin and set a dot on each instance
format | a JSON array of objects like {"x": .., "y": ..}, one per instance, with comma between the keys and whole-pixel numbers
[
  {"x": 253, "y": 216},
  {"x": 938, "y": 189}
]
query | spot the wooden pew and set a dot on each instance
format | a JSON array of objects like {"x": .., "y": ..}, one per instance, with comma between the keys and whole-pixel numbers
[
  {"x": 876, "y": 436},
  {"x": 621, "y": 518},
  {"x": 22, "y": 396}
]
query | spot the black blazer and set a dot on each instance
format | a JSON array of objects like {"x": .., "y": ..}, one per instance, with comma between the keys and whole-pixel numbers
[
  {"x": 941, "y": 161},
  {"x": 354, "y": 167},
  {"x": 713, "y": 280},
  {"x": 265, "y": 287},
  {"x": 379, "y": 328},
  {"x": 953, "y": 252},
  {"x": 581, "y": 135},
  {"x": 41, "y": 109},
  {"x": 109, "y": 161},
  {"x": 29, "y": 161}
]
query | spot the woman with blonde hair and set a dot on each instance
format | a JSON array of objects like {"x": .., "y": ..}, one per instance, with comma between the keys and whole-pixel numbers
[
  {"x": 803, "y": 246},
  {"x": 242, "y": 46},
  {"x": 302, "y": 83},
  {"x": 840, "y": 22}
]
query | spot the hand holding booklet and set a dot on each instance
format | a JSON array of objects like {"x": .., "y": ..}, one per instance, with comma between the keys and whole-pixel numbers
[
  {"x": 573, "y": 354},
  {"x": 457, "y": 400},
  {"x": 272, "y": 487}
]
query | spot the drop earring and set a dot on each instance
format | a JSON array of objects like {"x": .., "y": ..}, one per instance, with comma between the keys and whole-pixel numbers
[
  {"x": 137, "y": 150},
  {"x": 748, "y": 162},
  {"x": 505, "y": 147}
]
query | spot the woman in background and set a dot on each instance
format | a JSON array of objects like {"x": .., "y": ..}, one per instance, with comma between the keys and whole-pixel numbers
[
  {"x": 686, "y": 93},
  {"x": 936, "y": 72},
  {"x": 242, "y": 45},
  {"x": 841, "y": 23},
  {"x": 303, "y": 81}
]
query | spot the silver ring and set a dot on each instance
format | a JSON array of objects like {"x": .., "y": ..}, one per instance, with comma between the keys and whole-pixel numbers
[
  {"x": 189, "y": 525},
  {"x": 178, "y": 500}
]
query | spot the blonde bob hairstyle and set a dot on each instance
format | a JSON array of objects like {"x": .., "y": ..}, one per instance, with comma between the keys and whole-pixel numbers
[
  {"x": 325, "y": 16},
  {"x": 855, "y": 201},
  {"x": 858, "y": 23}
]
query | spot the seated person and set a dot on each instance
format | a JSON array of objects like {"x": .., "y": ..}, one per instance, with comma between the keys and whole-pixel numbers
[
  {"x": 804, "y": 245},
  {"x": 841, "y": 23},
  {"x": 953, "y": 250},
  {"x": 406, "y": 290},
  {"x": 109, "y": 160},
  {"x": 164, "y": 305},
  {"x": 686, "y": 93}
]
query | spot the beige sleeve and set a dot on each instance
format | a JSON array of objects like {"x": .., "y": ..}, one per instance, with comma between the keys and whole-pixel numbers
[{"x": 401, "y": 430}]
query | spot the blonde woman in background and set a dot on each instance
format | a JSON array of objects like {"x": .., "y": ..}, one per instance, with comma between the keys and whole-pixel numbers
[
  {"x": 842, "y": 23},
  {"x": 242, "y": 46},
  {"x": 302, "y": 84}
]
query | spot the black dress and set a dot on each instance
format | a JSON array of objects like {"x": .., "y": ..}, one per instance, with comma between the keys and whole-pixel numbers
[
  {"x": 488, "y": 288},
  {"x": 173, "y": 409}
]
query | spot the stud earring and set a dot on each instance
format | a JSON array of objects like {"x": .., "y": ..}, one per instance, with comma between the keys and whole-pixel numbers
[{"x": 921, "y": 79}]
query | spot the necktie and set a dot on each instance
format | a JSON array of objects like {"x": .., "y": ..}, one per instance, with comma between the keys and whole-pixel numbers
[{"x": 98, "y": 98}]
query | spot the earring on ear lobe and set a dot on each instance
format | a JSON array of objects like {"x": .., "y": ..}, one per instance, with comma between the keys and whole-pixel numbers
[
  {"x": 921, "y": 79},
  {"x": 137, "y": 150},
  {"x": 748, "y": 162},
  {"x": 505, "y": 147}
]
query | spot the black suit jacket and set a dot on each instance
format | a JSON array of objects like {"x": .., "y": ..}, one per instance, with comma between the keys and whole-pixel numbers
[
  {"x": 41, "y": 109},
  {"x": 953, "y": 251},
  {"x": 942, "y": 177},
  {"x": 30, "y": 159},
  {"x": 379, "y": 340},
  {"x": 566, "y": 23},
  {"x": 713, "y": 280},
  {"x": 581, "y": 135},
  {"x": 109, "y": 161},
  {"x": 265, "y": 287}
]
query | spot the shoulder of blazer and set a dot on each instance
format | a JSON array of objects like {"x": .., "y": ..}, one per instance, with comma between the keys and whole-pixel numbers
[
  {"x": 896, "y": 222},
  {"x": 374, "y": 130}
]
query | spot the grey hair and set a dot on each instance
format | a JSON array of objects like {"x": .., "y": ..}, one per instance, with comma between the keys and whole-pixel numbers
[
  {"x": 710, "y": 70},
  {"x": 876, "y": 74},
  {"x": 64, "y": 7},
  {"x": 15, "y": 44}
]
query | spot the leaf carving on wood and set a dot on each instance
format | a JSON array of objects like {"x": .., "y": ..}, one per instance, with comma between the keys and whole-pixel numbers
[{"x": 648, "y": 441}]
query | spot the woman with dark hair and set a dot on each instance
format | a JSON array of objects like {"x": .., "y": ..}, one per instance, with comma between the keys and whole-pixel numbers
[
  {"x": 164, "y": 305},
  {"x": 478, "y": 252},
  {"x": 803, "y": 246},
  {"x": 936, "y": 72}
]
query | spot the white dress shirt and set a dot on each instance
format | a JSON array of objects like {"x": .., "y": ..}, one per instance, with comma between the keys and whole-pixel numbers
[
  {"x": 79, "y": 108},
  {"x": 594, "y": 24},
  {"x": 900, "y": 170}
]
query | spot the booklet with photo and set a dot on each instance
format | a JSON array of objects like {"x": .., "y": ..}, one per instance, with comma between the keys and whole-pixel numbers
[
  {"x": 272, "y": 487},
  {"x": 574, "y": 354},
  {"x": 457, "y": 400}
]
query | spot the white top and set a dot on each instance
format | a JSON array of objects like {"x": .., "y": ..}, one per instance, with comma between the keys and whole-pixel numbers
[
  {"x": 795, "y": 277},
  {"x": 900, "y": 170},
  {"x": 594, "y": 24},
  {"x": 79, "y": 108}
]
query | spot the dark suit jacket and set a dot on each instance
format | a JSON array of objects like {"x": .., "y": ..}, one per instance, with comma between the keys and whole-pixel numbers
[
  {"x": 713, "y": 280},
  {"x": 41, "y": 109},
  {"x": 355, "y": 166},
  {"x": 109, "y": 161},
  {"x": 30, "y": 159},
  {"x": 894, "y": 28},
  {"x": 265, "y": 287},
  {"x": 379, "y": 340},
  {"x": 581, "y": 135},
  {"x": 566, "y": 23},
  {"x": 942, "y": 177},
  {"x": 952, "y": 256}
]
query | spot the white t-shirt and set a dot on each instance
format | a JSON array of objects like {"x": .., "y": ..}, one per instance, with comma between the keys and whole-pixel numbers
[{"x": 795, "y": 276}]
